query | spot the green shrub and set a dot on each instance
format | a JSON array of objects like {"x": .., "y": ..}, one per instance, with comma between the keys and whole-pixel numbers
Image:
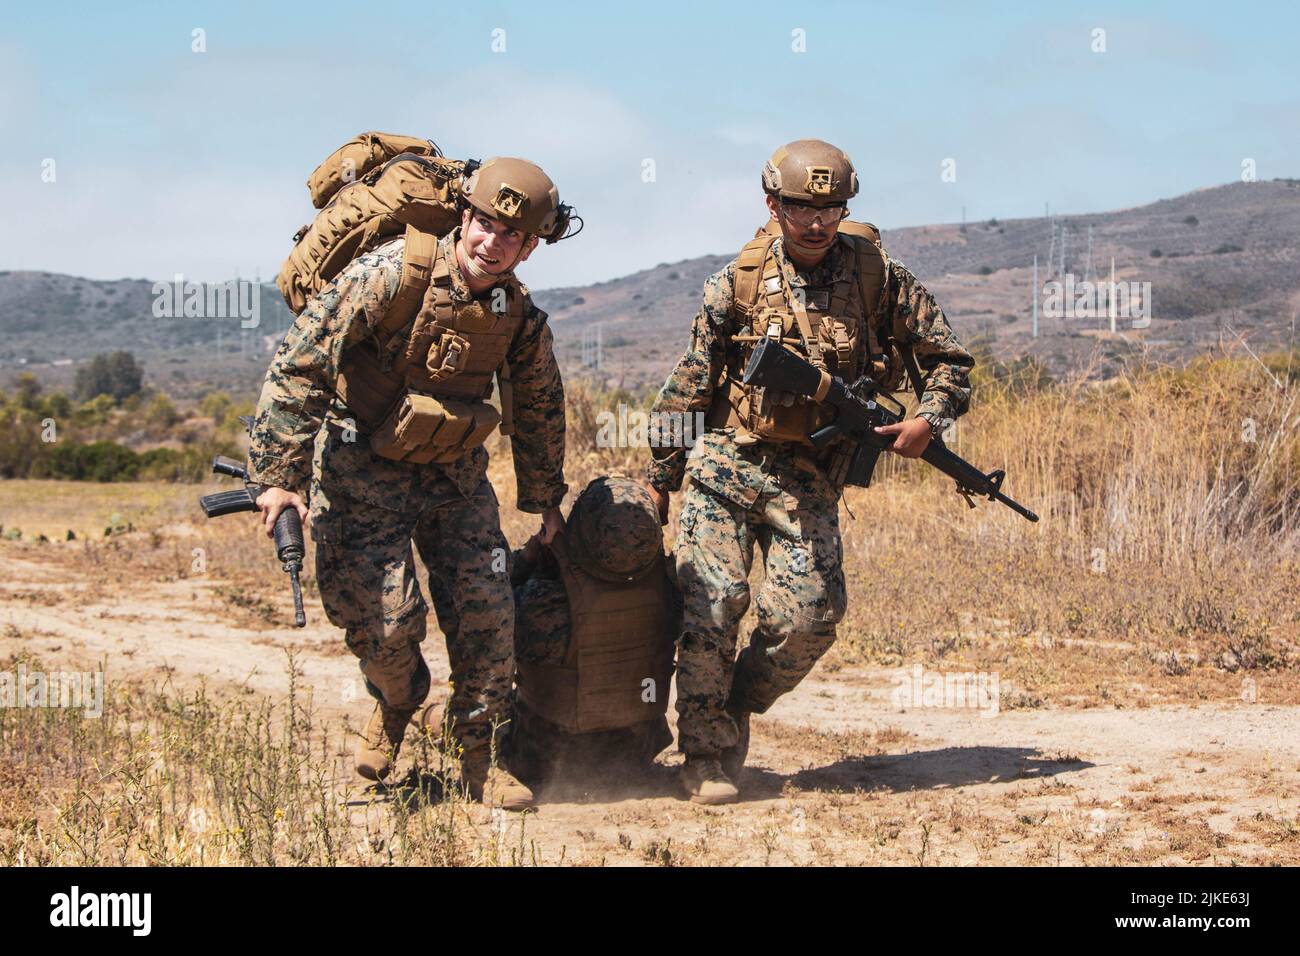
[
  {"x": 114, "y": 373},
  {"x": 97, "y": 461},
  {"x": 160, "y": 412}
]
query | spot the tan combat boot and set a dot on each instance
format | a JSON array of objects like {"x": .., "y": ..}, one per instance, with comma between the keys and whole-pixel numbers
[
  {"x": 493, "y": 785},
  {"x": 378, "y": 744},
  {"x": 704, "y": 780},
  {"x": 431, "y": 721},
  {"x": 733, "y": 758}
]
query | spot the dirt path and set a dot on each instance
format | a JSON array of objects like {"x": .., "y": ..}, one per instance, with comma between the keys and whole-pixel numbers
[{"x": 839, "y": 773}]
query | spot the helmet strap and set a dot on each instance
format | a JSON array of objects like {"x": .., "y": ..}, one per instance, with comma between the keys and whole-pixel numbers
[
  {"x": 806, "y": 252},
  {"x": 466, "y": 261},
  {"x": 473, "y": 268}
]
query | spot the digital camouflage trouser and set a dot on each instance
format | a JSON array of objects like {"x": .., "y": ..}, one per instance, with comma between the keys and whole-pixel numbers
[
  {"x": 366, "y": 574},
  {"x": 800, "y": 600}
]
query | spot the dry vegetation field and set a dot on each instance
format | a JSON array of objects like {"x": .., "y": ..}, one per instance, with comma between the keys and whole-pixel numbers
[{"x": 1145, "y": 637}]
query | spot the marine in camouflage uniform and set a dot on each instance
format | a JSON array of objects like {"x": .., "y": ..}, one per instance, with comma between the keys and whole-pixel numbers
[
  {"x": 366, "y": 510},
  {"x": 779, "y": 496},
  {"x": 626, "y": 542}
]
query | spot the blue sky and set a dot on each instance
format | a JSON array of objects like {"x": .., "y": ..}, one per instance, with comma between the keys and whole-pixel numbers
[{"x": 170, "y": 161}]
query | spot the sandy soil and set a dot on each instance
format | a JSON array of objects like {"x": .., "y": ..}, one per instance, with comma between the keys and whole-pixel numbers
[{"x": 838, "y": 772}]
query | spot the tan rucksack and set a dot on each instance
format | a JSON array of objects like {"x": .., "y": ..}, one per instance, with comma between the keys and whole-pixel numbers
[{"x": 370, "y": 190}]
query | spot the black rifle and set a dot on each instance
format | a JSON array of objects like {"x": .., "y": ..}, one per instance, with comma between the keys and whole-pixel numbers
[
  {"x": 288, "y": 527},
  {"x": 858, "y": 412}
]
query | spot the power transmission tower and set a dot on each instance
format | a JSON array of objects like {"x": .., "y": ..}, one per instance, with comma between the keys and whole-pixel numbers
[
  {"x": 1051, "y": 251},
  {"x": 1035, "y": 291},
  {"x": 591, "y": 347},
  {"x": 1111, "y": 298}
]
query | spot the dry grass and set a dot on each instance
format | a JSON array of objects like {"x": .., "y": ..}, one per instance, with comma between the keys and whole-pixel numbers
[
  {"x": 1163, "y": 565},
  {"x": 171, "y": 778},
  {"x": 1162, "y": 571},
  {"x": 53, "y": 508}
]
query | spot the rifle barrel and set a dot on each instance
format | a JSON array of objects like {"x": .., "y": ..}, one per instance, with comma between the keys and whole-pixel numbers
[
  {"x": 1015, "y": 506},
  {"x": 299, "y": 615}
]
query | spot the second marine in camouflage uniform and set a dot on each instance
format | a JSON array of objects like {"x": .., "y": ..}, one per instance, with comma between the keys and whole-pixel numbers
[{"x": 776, "y": 494}]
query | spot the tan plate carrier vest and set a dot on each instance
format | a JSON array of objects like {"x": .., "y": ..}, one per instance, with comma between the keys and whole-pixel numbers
[
  {"x": 621, "y": 633},
  {"x": 419, "y": 384},
  {"x": 831, "y": 339},
  {"x": 421, "y": 394}
]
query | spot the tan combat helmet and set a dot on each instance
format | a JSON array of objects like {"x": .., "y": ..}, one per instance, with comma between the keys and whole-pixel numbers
[
  {"x": 518, "y": 193},
  {"x": 810, "y": 170},
  {"x": 614, "y": 529}
]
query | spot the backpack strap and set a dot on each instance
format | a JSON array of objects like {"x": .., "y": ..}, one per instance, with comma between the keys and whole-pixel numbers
[
  {"x": 515, "y": 309},
  {"x": 397, "y": 333},
  {"x": 746, "y": 289},
  {"x": 800, "y": 309},
  {"x": 417, "y": 270},
  {"x": 873, "y": 265},
  {"x": 909, "y": 362},
  {"x": 749, "y": 273}
]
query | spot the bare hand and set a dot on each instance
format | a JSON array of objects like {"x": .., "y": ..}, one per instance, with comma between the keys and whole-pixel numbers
[
  {"x": 552, "y": 524},
  {"x": 661, "y": 501},
  {"x": 913, "y": 437},
  {"x": 272, "y": 501}
]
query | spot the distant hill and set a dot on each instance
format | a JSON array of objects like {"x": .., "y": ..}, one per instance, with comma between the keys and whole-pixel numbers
[
  {"x": 1226, "y": 254},
  {"x": 1219, "y": 259},
  {"x": 51, "y": 322}
]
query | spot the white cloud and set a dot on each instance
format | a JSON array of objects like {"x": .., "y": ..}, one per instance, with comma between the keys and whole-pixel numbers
[{"x": 213, "y": 182}]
